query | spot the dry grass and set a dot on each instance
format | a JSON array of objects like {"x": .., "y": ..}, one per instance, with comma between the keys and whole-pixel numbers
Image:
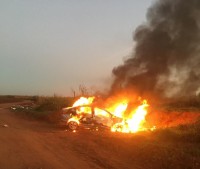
[
  {"x": 12, "y": 98},
  {"x": 172, "y": 148}
]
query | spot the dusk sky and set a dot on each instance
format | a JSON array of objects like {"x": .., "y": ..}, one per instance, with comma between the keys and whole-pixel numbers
[{"x": 50, "y": 46}]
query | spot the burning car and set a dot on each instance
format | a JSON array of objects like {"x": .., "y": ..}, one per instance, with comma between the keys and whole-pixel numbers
[
  {"x": 118, "y": 115},
  {"x": 89, "y": 117}
]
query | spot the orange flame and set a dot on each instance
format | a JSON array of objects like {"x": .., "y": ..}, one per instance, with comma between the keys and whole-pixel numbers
[
  {"x": 134, "y": 122},
  {"x": 75, "y": 119},
  {"x": 131, "y": 123},
  {"x": 138, "y": 118},
  {"x": 83, "y": 101},
  {"x": 119, "y": 109}
]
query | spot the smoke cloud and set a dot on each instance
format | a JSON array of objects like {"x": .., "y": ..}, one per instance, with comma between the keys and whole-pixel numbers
[{"x": 166, "y": 58}]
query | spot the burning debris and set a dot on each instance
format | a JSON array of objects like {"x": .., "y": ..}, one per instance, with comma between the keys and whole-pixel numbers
[
  {"x": 4, "y": 125},
  {"x": 83, "y": 101},
  {"x": 115, "y": 117},
  {"x": 166, "y": 60},
  {"x": 123, "y": 114},
  {"x": 134, "y": 122}
]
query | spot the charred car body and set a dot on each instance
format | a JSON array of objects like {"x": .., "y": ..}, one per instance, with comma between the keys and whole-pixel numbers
[{"x": 89, "y": 117}]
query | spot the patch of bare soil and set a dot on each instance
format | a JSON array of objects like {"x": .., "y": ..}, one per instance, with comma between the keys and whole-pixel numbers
[{"x": 35, "y": 145}]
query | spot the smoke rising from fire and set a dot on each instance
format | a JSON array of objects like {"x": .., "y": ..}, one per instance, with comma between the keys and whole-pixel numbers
[{"x": 166, "y": 58}]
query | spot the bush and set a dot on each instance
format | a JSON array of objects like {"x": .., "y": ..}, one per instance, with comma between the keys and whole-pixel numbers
[
  {"x": 53, "y": 103},
  {"x": 189, "y": 133}
]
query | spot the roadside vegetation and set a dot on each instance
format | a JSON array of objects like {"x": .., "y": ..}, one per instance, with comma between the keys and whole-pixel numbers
[
  {"x": 189, "y": 104},
  {"x": 49, "y": 108},
  {"x": 43, "y": 108}
]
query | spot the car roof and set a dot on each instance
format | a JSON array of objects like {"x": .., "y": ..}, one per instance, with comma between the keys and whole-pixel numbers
[{"x": 68, "y": 108}]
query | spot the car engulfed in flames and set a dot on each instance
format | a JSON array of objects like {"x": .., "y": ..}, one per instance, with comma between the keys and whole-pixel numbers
[{"x": 86, "y": 113}]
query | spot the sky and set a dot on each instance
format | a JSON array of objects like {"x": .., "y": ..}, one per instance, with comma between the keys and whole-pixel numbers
[{"x": 50, "y": 47}]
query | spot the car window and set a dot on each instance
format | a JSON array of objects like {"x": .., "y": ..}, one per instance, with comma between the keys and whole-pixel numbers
[
  {"x": 86, "y": 110},
  {"x": 100, "y": 112},
  {"x": 102, "y": 117}
]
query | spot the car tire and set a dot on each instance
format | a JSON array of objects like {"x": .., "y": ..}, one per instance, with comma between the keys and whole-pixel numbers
[{"x": 72, "y": 125}]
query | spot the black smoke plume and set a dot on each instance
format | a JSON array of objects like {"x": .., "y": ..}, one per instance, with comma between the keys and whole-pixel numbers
[{"x": 166, "y": 58}]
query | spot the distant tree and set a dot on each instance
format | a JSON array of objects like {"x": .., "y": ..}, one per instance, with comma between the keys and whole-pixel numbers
[
  {"x": 73, "y": 92},
  {"x": 83, "y": 90}
]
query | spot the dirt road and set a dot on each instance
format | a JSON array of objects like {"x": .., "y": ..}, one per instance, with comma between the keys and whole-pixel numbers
[{"x": 26, "y": 144}]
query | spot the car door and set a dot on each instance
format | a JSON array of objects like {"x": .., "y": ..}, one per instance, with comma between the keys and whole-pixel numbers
[
  {"x": 102, "y": 117},
  {"x": 85, "y": 112}
]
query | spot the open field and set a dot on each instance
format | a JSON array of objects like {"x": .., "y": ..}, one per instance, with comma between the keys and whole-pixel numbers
[{"x": 31, "y": 144}]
